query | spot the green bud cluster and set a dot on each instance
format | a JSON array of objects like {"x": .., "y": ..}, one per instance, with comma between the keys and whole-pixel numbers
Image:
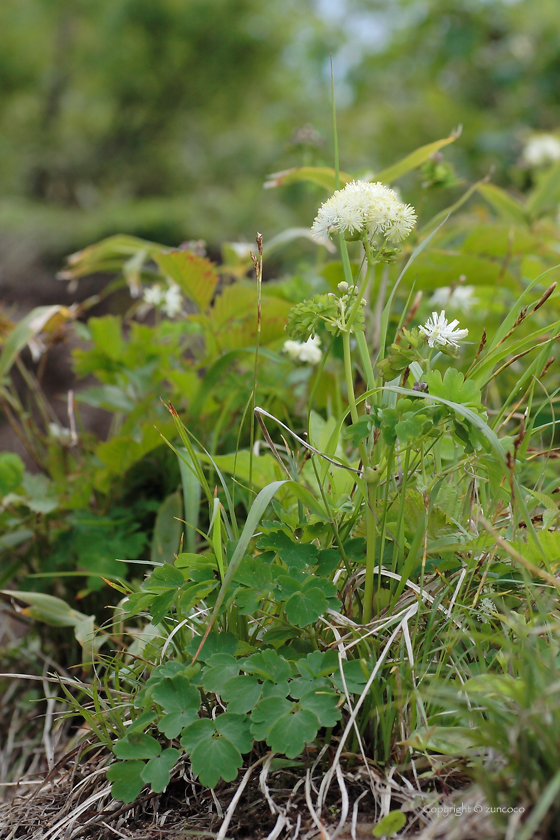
[
  {"x": 305, "y": 318},
  {"x": 384, "y": 253},
  {"x": 400, "y": 356}
]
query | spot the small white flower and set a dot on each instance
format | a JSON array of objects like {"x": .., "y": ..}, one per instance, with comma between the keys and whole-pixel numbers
[
  {"x": 60, "y": 433},
  {"x": 440, "y": 332},
  {"x": 362, "y": 207},
  {"x": 153, "y": 295},
  {"x": 308, "y": 352},
  {"x": 241, "y": 249},
  {"x": 402, "y": 223},
  {"x": 173, "y": 301},
  {"x": 461, "y": 297},
  {"x": 542, "y": 149}
]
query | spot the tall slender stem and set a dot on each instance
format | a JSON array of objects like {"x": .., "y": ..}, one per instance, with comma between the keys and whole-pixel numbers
[
  {"x": 371, "y": 494},
  {"x": 371, "y": 539}
]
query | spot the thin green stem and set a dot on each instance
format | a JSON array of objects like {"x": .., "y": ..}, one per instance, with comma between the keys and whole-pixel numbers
[{"x": 371, "y": 539}]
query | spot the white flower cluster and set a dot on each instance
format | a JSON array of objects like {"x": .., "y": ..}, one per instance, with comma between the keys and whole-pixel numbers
[
  {"x": 461, "y": 297},
  {"x": 169, "y": 300},
  {"x": 308, "y": 351},
  {"x": 542, "y": 149},
  {"x": 363, "y": 207},
  {"x": 440, "y": 332}
]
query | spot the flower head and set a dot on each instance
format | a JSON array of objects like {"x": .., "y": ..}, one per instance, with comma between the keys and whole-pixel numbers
[
  {"x": 308, "y": 351},
  {"x": 169, "y": 300},
  {"x": 542, "y": 149},
  {"x": 153, "y": 295},
  {"x": 364, "y": 208},
  {"x": 173, "y": 301},
  {"x": 461, "y": 297},
  {"x": 439, "y": 332}
]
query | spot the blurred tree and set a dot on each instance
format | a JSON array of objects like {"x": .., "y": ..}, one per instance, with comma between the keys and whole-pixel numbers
[
  {"x": 491, "y": 65},
  {"x": 162, "y": 117},
  {"x": 115, "y": 100}
]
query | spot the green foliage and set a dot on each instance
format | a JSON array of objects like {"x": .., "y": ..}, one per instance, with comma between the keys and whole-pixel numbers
[{"x": 369, "y": 545}]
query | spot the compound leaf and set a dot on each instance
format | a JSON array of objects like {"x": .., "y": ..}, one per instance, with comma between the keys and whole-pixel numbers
[
  {"x": 305, "y": 607},
  {"x": 293, "y": 731},
  {"x": 158, "y": 770},
  {"x": 241, "y": 694},
  {"x": 177, "y": 694},
  {"x": 268, "y": 665},
  {"x": 237, "y": 729},
  {"x": 220, "y": 668},
  {"x": 324, "y": 705},
  {"x": 127, "y": 780},
  {"x": 215, "y": 758},
  {"x": 265, "y": 715},
  {"x": 196, "y": 733},
  {"x": 137, "y": 745}
]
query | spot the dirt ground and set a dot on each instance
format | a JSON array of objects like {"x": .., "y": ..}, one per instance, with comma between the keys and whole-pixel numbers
[{"x": 74, "y": 801}]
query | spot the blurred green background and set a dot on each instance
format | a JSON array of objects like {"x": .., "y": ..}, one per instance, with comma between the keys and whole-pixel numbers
[{"x": 162, "y": 118}]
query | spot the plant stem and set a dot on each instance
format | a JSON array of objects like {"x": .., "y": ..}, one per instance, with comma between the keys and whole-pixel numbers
[
  {"x": 371, "y": 495},
  {"x": 349, "y": 377},
  {"x": 370, "y": 551}
]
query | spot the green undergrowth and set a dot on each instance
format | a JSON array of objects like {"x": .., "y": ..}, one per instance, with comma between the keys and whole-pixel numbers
[{"x": 351, "y": 542}]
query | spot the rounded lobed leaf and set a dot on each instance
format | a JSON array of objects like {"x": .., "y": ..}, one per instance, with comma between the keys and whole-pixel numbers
[{"x": 137, "y": 745}]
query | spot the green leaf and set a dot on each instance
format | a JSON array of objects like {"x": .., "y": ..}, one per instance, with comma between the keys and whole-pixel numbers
[
  {"x": 196, "y": 276},
  {"x": 265, "y": 715},
  {"x": 196, "y": 733},
  {"x": 447, "y": 740},
  {"x": 143, "y": 721},
  {"x": 215, "y": 758},
  {"x": 290, "y": 733},
  {"x": 11, "y": 472},
  {"x": 353, "y": 676},
  {"x": 504, "y": 204},
  {"x": 237, "y": 729},
  {"x": 254, "y": 516},
  {"x": 161, "y": 605},
  {"x": 29, "y": 327},
  {"x": 453, "y": 387},
  {"x": 359, "y": 431},
  {"x": 191, "y": 498},
  {"x": 254, "y": 573},
  {"x": 157, "y": 771},
  {"x": 106, "y": 334},
  {"x": 328, "y": 560},
  {"x": 412, "y": 426},
  {"x": 47, "y": 608},
  {"x": 241, "y": 694},
  {"x": 318, "y": 663},
  {"x": 324, "y": 176},
  {"x": 41, "y": 493},
  {"x": 268, "y": 665},
  {"x": 293, "y": 554},
  {"x": 413, "y": 160},
  {"x": 307, "y": 605},
  {"x": 137, "y": 745},
  {"x": 546, "y": 193},
  {"x": 120, "y": 453},
  {"x": 220, "y": 668},
  {"x": 280, "y": 689},
  {"x": 167, "y": 530},
  {"x": 172, "y": 724},
  {"x": 215, "y": 643},
  {"x": 391, "y": 824},
  {"x": 164, "y": 578},
  {"x": 177, "y": 694},
  {"x": 324, "y": 705},
  {"x": 127, "y": 780}
]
